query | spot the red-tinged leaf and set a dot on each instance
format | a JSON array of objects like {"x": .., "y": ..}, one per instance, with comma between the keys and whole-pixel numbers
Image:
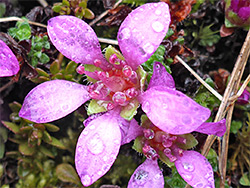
[
  {"x": 11, "y": 126},
  {"x": 66, "y": 173},
  {"x": 25, "y": 149}
]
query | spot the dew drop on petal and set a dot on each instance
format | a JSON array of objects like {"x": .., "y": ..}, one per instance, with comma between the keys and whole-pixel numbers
[
  {"x": 157, "y": 26},
  {"x": 86, "y": 180},
  {"x": 95, "y": 144},
  {"x": 188, "y": 167},
  {"x": 149, "y": 48},
  {"x": 146, "y": 107},
  {"x": 158, "y": 12},
  {"x": 125, "y": 33},
  {"x": 141, "y": 177},
  {"x": 199, "y": 185},
  {"x": 187, "y": 177}
]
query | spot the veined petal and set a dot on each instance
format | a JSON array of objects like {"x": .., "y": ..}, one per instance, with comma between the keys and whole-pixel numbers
[
  {"x": 161, "y": 77},
  {"x": 147, "y": 175},
  {"x": 9, "y": 65},
  {"x": 195, "y": 169},
  {"x": 97, "y": 148},
  {"x": 172, "y": 111},
  {"x": 215, "y": 128},
  {"x": 53, "y": 100},
  {"x": 76, "y": 40},
  {"x": 129, "y": 129},
  {"x": 139, "y": 39}
]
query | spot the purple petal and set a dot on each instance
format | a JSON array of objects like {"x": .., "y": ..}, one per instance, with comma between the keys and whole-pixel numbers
[
  {"x": 97, "y": 148},
  {"x": 9, "y": 65},
  {"x": 161, "y": 77},
  {"x": 195, "y": 169},
  {"x": 172, "y": 111},
  {"x": 244, "y": 13},
  {"x": 147, "y": 175},
  {"x": 53, "y": 100},
  {"x": 215, "y": 128},
  {"x": 75, "y": 39},
  {"x": 139, "y": 39},
  {"x": 234, "y": 5},
  {"x": 129, "y": 130}
]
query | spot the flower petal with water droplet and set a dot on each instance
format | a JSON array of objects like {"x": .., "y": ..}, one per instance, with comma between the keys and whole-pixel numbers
[
  {"x": 215, "y": 128},
  {"x": 97, "y": 147},
  {"x": 195, "y": 169},
  {"x": 172, "y": 111},
  {"x": 147, "y": 175},
  {"x": 53, "y": 100},
  {"x": 9, "y": 65},
  {"x": 138, "y": 40},
  {"x": 76, "y": 40},
  {"x": 161, "y": 77}
]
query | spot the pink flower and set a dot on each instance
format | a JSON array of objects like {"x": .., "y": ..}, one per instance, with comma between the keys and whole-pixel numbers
[
  {"x": 9, "y": 65},
  {"x": 238, "y": 13}
]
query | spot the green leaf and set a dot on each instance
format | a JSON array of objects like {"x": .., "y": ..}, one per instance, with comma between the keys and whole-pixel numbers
[
  {"x": 2, "y": 11},
  {"x": 41, "y": 72},
  {"x": 57, "y": 76},
  {"x": 89, "y": 14},
  {"x": 44, "y": 58},
  {"x": 138, "y": 144},
  {"x": 11, "y": 126},
  {"x": 55, "y": 142},
  {"x": 169, "y": 33},
  {"x": 54, "y": 67},
  {"x": 129, "y": 111},
  {"x": 46, "y": 151},
  {"x": 15, "y": 106},
  {"x": 245, "y": 180},
  {"x": 66, "y": 2},
  {"x": 66, "y": 173},
  {"x": 70, "y": 68},
  {"x": 235, "y": 126},
  {"x": 57, "y": 7},
  {"x": 2, "y": 149},
  {"x": 165, "y": 159},
  {"x": 212, "y": 158},
  {"x": 175, "y": 180},
  {"x": 91, "y": 68},
  {"x": 94, "y": 107},
  {"x": 190, "y": 142},
  {"x": 110, "y": 50},
  {"x": 25, "y": 149},
  {"x": 51, "y": 127}
]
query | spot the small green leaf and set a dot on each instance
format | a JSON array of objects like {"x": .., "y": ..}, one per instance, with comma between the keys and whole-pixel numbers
[
  {"x": 2, "y": 149},
  {"x": 89, "y": 14},
  {"x": 66, "y": 2},
  {"x": 25, "y": 149},
  {"x": 94, "y": 107},
  {"x": 46, "y": 151},
  {"x": 44, "y": 58},
  {"x": 46, "y": 137},
  {"x": 11, "y": 126},
  {"x": 190, "y": 142},
  {"x": 54, "y": 67},
  {"x": 169, "y": 33},
  {"x": 57, "y": 76},
  {"x": 129, "y": 111},
  {"x": 66, "y": 173},
  {"x": 51, "y": 127},
  {"x": 57, "y": 7},
  {"x": 2, "y": 11},
  {"x": 41, "y": 72},
  {"x": 175, "y": 180},
  {"x": 110, "y": 50},
  {"x": 15, "y": 106},
  {"x": 138, "y": 144},
  {"x": 165, "y": 159},
  {"x": 235, "y": 126},
  {"x": 245, "y": 180},
  {"x": 55, "y": 142},
  {"x": 70, "y": 68},
  {"x": 83, "y": 4}
]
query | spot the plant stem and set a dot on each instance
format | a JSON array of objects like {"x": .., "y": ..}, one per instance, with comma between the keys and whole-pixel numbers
[
  {"x": 13, "y": 18},
  {"x": 43, "y": 3}
]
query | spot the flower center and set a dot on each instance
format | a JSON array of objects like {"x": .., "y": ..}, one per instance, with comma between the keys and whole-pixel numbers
[
  {"x": 118, "y": 86},
  {"x": 155, "y": 141}
]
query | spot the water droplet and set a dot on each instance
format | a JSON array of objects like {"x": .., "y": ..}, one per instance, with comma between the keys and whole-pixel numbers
[
  {"x": 186, "y": 119},
  {"x": 86, "y": 180},
  {"x": 158, "y": 176},
  {"x": 125, "y": 33},
  {"x": 157, "y": 26},
  {"x": 64, "y": 107},
  {"x": 92, "y": 127},
  {"x": 99, "y": 173},
  {"x": 140, "y": 177},
  {"x": 85, "y": 132},
  {"x": 187, "y": 177},
  {"x": 95, "y": 144},
  {"x": 158, "y": 12},
  {"x": 199, "y": 185},
  {"x": 146, "y": 107},
  {"x": 149, "y": 48},
  {"x": 188, "y": 167},
  {"x": 117, "y": 142},
  {"x": 105, "y": 158}
]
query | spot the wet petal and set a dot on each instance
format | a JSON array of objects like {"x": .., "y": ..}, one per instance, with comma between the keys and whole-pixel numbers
[
  {"x": 53, "y": 100},
  {"x": 129, "y": 129},
  {"x": 172, "y": 111},
  {"x": 161, "y": 77},
  {"x": 215, "y": 128},
  {"x": 138, "y": 40},
  {"x": 9, "y": 65},
  {"x": 147, "y": 175},
  {"x": 244, "y": 13},
  {"x": 75, "y": 39},
  {"x": 97, "y": 148},
  {"x": 195, "y": 169}
]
